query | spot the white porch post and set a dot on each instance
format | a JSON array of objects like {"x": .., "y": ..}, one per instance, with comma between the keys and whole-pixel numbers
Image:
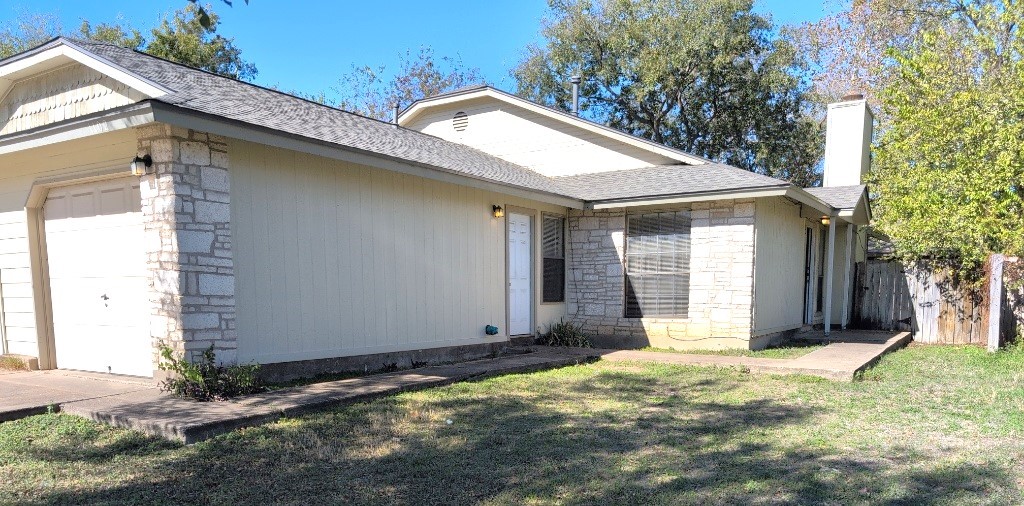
[
  {"x": 846, "y": 275},
  {"x": 995, "y": 300},
  {"x": 829, "y": 270}
]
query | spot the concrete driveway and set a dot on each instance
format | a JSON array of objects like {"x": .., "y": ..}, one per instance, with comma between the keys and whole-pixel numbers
[{"x": 24, "y": 393}]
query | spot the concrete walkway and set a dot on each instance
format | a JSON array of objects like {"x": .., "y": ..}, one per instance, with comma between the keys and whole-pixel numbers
[
  {"x": 846, "y": 354},
  {"x": 27, "y": 393},
  {"x": 138, "y": 404}
]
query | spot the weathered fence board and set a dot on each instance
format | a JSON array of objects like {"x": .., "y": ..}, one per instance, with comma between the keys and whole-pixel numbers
[
  {"x": 881, "y": 298},
  {"x": 890, "y": 297}
]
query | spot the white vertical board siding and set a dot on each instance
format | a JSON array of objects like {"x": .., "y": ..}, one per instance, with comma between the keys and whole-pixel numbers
[
  {"x": 549, "y": 146},
  {"x": 334, "y": 259},
  {"x": 17, "y": 173},
  {"x": 778, "y": 266}
]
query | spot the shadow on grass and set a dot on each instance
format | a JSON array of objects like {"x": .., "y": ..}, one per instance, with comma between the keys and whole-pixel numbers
[{"x": 610, "y": 438}]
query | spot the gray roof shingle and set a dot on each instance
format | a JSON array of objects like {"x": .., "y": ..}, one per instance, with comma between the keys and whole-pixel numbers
[
  {"x": 219, "y": 96},
  {"x": 840, "y": 197},
  {"x": 664, "y": 180}
]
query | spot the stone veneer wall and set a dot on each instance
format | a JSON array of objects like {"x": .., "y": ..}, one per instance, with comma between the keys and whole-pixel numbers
[
  {"x": 721, "y": 279},
  {"x": 185, "y": 205}
]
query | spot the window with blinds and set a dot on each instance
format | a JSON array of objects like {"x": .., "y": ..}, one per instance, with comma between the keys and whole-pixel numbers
[
  {"x": 553, "y": 251},
  {"x": 658, "y": 264}
]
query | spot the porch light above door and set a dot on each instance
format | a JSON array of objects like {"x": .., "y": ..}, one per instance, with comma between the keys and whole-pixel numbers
[{"x": 498, "y": 211}]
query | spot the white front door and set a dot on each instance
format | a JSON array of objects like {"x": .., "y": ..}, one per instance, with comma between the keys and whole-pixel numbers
[
  {"x": 96, "y": 259},
  {"x": 520, "y": 303}
]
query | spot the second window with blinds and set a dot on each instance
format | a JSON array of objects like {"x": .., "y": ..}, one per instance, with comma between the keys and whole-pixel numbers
[
  {"x": 553, "y": 250},
  {"x": 658, "y": 264}
]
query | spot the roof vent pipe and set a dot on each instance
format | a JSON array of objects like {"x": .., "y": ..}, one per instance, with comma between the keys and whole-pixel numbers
[
  {"x": 575, "y": 80},
  {"x": 395, "y": 112}
]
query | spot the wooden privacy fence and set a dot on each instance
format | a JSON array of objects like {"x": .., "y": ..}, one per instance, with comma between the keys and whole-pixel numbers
[{"x": 889, "y": 296}]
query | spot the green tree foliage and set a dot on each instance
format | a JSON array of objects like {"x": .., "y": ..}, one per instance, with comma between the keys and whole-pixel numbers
[
  {"x": 184, "y": 39},
  {"x": 705, "y": 76},
  {"x": 367, "y": 90},
  {"x": 181, "y": 38},
  {"x": 203, "y": 13},
  {"x": 113, "y": 34},
  {"x": 848, "y": 51},
  {"x": 28, "y": 30},
  {"x": 949, "y": 170}
]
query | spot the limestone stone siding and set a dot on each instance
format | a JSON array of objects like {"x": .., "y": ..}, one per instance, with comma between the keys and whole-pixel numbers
[
  {"x": 185, "y": 205},
  {"x": 721, "y": 279}
]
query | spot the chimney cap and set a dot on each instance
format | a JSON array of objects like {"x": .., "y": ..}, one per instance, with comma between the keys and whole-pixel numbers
[
  {"x": 575, "y": 79},
  {"x": 854, "y": 95}
]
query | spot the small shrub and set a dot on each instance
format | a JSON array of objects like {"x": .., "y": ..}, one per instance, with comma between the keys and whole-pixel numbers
[
  {"x": 565, "y": 333},
  {"x": 205, "y": 380},
  {"x": 11, "y": 363}
]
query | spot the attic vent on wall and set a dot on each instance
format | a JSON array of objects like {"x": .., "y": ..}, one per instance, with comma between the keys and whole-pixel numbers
[{"x": 460, "y": 121}]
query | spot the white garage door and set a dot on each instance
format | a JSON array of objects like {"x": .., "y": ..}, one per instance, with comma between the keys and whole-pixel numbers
[{"x": 98, "y": 277}]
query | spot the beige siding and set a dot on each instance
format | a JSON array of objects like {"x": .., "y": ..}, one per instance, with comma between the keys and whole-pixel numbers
[
  {"x": 18, "y": 171},
  {"x": 778, "y": 266},
  {"x": 549, "y": 146},
  {"x": 63, "y": 93},
  {"x": 334, "y": 259}
]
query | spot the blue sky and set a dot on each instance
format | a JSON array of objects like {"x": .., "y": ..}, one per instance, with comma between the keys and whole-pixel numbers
[{"x": 307, "y": 46}]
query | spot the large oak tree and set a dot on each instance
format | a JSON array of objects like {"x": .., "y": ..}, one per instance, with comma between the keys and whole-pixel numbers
[{"x": 705, "y": 76}]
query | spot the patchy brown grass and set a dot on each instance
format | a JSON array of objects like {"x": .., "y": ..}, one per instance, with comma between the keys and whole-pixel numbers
[
  {"x": 785, "y": 351},
  {"x": 926, "y": 426}
]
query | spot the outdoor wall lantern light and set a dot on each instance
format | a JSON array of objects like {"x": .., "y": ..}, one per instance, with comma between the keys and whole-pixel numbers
[
  {"x": 141, "y": 164},
  {"x": 498, "y": 211},
  {"x": 825, "y": 220}
]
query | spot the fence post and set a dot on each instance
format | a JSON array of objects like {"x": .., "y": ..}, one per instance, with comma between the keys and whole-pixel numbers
[{"x": 995, "y": 300}]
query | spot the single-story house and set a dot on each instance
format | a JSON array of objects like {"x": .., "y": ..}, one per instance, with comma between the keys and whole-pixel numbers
[{"x": 142, "y": 201}]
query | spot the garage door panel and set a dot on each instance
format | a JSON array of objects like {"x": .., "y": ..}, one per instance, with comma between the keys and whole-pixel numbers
[{"x": 98, "y": 278}]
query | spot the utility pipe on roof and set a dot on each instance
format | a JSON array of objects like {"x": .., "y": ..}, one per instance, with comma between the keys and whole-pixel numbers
[
  {"x": 829, "y": 270},
  {"x": 575, "y": 80}
]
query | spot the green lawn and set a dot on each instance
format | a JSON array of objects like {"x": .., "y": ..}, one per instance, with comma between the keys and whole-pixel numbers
[
  {"x": 928, "y": 425},
  {"x": 791, "y": 350}
]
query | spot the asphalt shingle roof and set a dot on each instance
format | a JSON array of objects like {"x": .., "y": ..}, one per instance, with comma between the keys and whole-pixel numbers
[
  {"x": 664, "y": 180},
  {"x": 219, "y": 96},
  {"x": 840, "y": 197},
  {"x": 212, "y": 94}
]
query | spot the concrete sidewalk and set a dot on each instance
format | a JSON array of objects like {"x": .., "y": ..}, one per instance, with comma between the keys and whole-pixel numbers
[
  {"x": 145, "y": 408},
  {"x": 138, "y": 404},
  {"x": 847, "y": 353},
  {"x": 27, "y": 393}
]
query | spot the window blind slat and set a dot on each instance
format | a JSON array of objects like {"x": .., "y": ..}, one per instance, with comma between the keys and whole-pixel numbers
[
  {"x": 553, "y": 252},
  {"x": 658, "y": 264}
]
